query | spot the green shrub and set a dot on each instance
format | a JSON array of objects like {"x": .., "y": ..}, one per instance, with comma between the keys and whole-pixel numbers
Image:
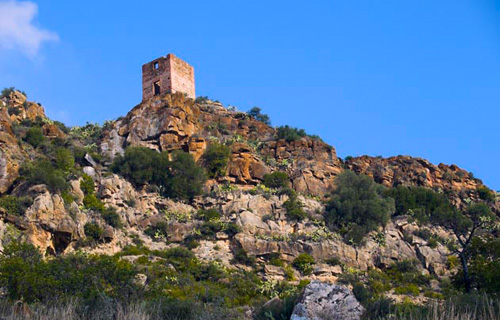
[
  {"x": 186, "y": 179},
  {"x": 209, "y": 214},
  {"x": 179, "y": 178},
  {"x": 158, "y": 231},
  {"x": 64, "y": 159},
  {"x": 294, "y": 207},
  {"x": 357, "y": 206},
  {"x": 262, "y": 117},
  {"x": 410, "y": 289},
  {"x": 15, "y": 205},
  {"x": 141, "y": 165},
  {"x": 67, "y": 197},
  {"x": 361, "y": 293},
  {"x": 304, "y": 263},
  {"x": 90, "y": 201},
  {"x": 419, "y": 202},
  {"x": 242, "y": 257},
  {"x": 87, "y": 184},
  {"x": 276, "y": 180},
  {"x": 289, "y": 133},
  {"x": 29, "y": 278},
  {"x": 486, "y": 194},
  {"x": 42, "y": 172},
  {"x": 7, "y": 91},
  {"x": 210, "y": 228},
  {"x": 34, "y": 136},
  {"x": 216, "y": 159},
  {"x": 111, "y": 217},
  {"x": 484, "y": 265},
  {"x": 231, "y": 229},
  {"x": 93, "y": 231}
]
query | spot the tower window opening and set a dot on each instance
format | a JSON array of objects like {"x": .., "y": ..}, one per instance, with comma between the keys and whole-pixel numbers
[{"x": 156, "y": 88}]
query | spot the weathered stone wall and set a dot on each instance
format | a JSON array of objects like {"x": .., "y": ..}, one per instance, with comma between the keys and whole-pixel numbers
[
  {"x": 182, "y": 76},
  {"x": 172, "y": 74}
]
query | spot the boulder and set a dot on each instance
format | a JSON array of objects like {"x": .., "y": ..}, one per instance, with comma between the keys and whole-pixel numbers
[{"x": 327, "y": 301}]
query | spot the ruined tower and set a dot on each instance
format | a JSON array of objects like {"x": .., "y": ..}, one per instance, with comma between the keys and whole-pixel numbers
[{"x": 167, "y": 74}]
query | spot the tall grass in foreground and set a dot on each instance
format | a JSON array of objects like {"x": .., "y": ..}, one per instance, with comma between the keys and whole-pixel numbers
[
  {"x": 74, "y": 310},
  {"x": 467, "y": 307}
]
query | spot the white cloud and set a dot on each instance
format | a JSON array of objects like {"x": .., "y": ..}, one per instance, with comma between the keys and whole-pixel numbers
[{"x": 17, "y": 30}]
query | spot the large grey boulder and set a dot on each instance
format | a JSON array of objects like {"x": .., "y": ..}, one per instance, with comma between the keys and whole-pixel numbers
[{"x": 322, "y": 301}]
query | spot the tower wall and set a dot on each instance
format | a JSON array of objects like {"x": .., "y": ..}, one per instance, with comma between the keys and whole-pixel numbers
[{"x": 168, "y": 74}]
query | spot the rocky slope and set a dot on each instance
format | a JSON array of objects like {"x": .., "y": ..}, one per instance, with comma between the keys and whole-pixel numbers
[{"x": 174, "y": 122}]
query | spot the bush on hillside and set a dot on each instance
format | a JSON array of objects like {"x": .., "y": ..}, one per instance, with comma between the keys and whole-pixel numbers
[
  {"x": 43, "y": 172},
  {"x": 179, "y": 177},
  {"x": 27, "y": 277},
  {"x": 216, "y": 159},
  {"x": 185, "y": 178},
  {"x": 357, "y": 206},
  {"x": 419, "y": 202},
  {"x": 141, "y": 165},
  {"x": 304, "y": 263},
  {"x": 15, "y": 205},
  {"x": 34, "y": 136},
  {"x": 93, "y": 231},
  {"x": 64, "y": 159},
  {"x": 486, "y": 194},
  {"x": 290, "y": 133},
  {"x": 294, "y": 207},
  {"x": 262, "y": 117},
  {"x": 277, "y": 179}
]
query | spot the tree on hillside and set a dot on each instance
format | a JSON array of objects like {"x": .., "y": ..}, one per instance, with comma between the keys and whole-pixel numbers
[
  {"x": 357, "y": 206},
  {"x": 466, "y": 226},
  {"x": 216, "y": 159},
  {"x": 262, "y": 117}
]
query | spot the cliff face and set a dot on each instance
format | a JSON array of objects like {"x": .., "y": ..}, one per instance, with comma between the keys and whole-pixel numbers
[
  {"x": 56, "y": 222},
  {"x": 14, "y": 109},
  {"x": 458, "y": 184},
  {"x": 174, "y": 122}
]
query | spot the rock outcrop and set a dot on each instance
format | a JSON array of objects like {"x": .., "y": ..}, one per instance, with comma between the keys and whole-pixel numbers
[
  {"x": 410, "y": 171},
  {"x": 174, "y": 122},
  {"x": 322, "y": 301}
]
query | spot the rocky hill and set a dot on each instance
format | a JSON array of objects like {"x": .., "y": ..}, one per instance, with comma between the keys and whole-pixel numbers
[{"x": 252, "y": 229}]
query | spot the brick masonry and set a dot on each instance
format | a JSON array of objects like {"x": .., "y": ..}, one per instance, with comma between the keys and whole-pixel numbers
[{"x": 167, "y": 74}]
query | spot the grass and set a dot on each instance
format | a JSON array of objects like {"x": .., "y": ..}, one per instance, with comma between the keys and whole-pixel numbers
[
  {"x": 472, "y": 307},
  {"x": 72, "y": 310}
]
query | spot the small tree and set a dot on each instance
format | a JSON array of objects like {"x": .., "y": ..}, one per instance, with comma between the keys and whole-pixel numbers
[
  {"x": 216, "y": 159},
  {"x": 294, "y": 207},
  {"x": 42, "y": 172},
  {"x": 357, "y": 206},
  {"x": 34, "y": 136},
  {"x": 290, "y": 133},
  {"x": 466, "y": 226},
  {"x": 256, "y": 113},
  {"x": 277, "y": 179},
  {"x": 141, "y": 165},
  {"x": 65, "y": 160},
  {"x": 186, "y": 178}
]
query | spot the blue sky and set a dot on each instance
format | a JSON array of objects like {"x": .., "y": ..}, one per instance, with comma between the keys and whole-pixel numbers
[{"x": 418, "y": 78}]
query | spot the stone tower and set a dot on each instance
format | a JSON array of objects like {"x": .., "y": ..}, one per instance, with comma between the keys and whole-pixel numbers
[{"x": 167, "y": 75}]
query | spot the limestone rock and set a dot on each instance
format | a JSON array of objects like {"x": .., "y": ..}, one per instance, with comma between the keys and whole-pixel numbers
[
  {"x": 327, "y": 301},
  {"x": 52, "y": 131},
  {"x": 117, "y": 191},
  {"x": 410, "y": 171}
]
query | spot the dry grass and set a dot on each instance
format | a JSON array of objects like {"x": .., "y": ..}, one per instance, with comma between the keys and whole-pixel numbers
[{"x": 471, "y": 308}]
